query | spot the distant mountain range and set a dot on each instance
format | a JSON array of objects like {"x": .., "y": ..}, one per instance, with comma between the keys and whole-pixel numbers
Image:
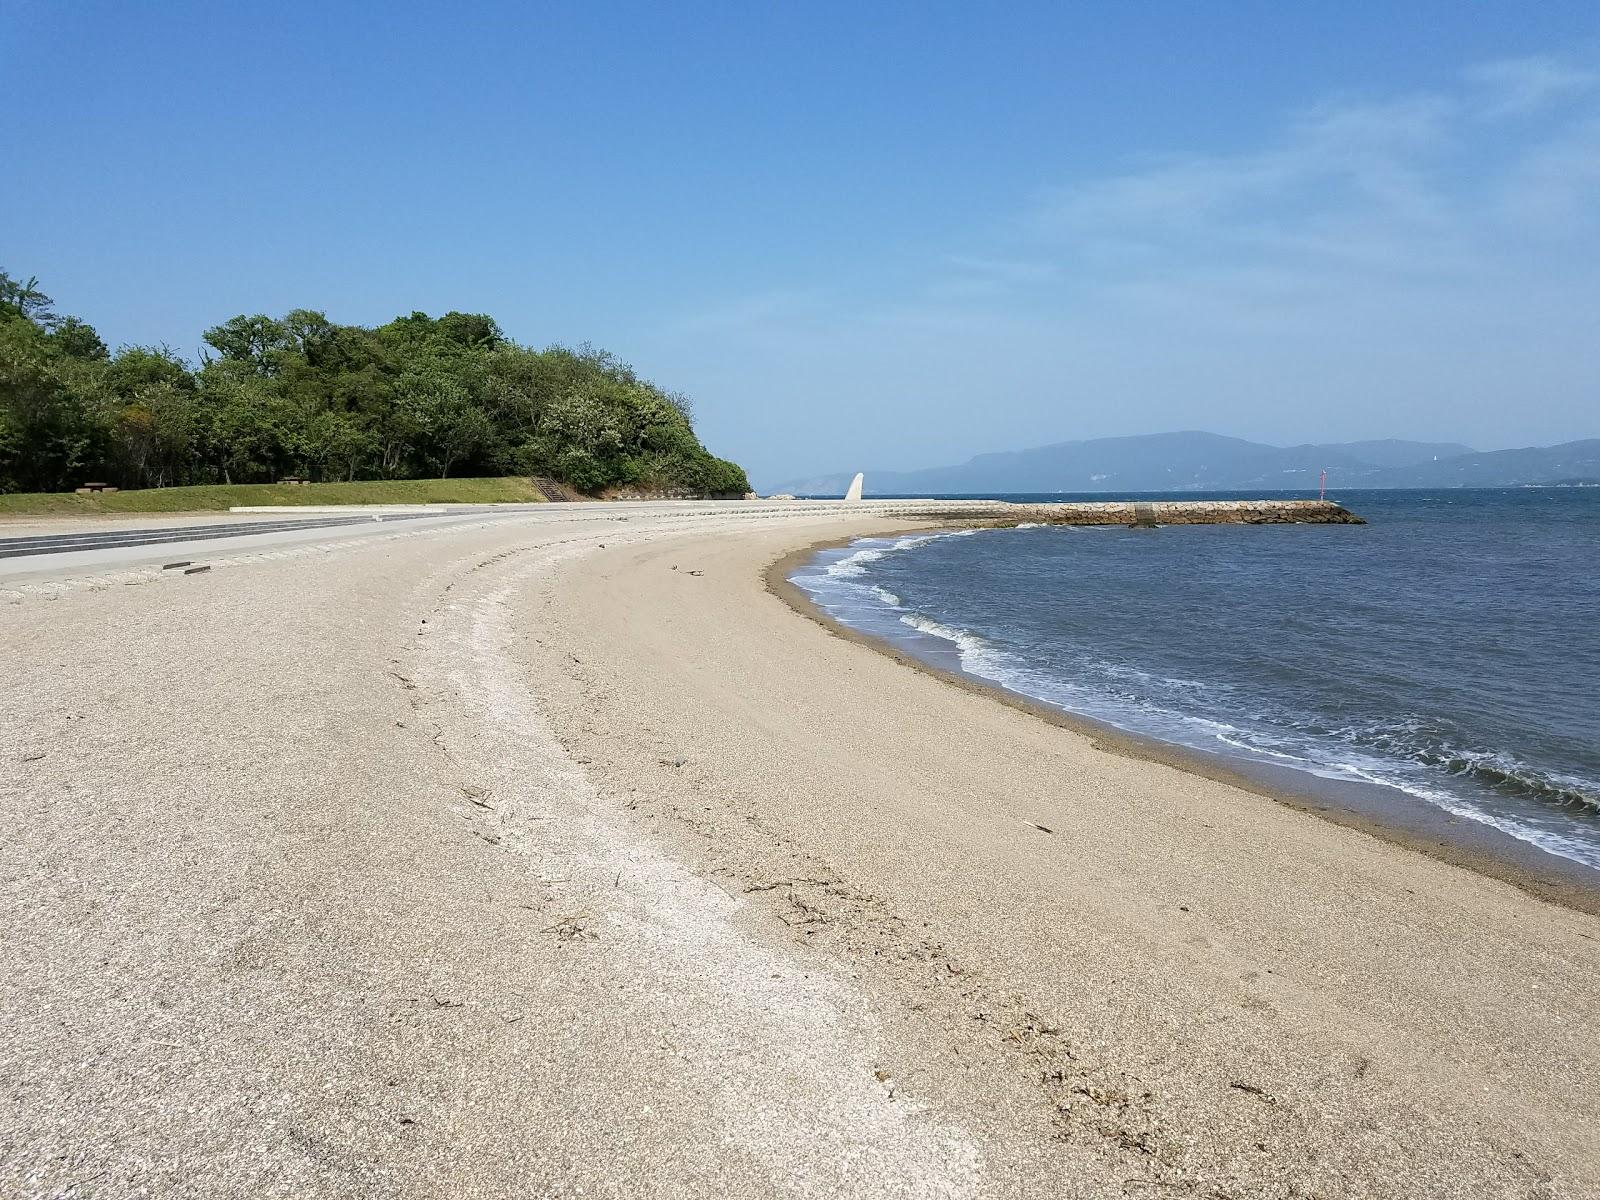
[{"x": 1194, "y": 462}]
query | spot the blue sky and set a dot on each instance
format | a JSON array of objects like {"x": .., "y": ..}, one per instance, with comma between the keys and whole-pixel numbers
[{"x": 890, "y": 235}]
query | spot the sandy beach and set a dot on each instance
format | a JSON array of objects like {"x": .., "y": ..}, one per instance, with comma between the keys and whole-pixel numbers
[{"x": 564, "y": 857}]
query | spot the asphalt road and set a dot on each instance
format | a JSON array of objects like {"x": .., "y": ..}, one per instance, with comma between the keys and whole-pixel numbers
[
  {"x": 106, "y": 539},
  {"x": 49, "y": 549}
]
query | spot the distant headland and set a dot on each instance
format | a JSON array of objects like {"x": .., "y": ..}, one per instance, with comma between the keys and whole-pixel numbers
[{"x": 1199, "y": 462}]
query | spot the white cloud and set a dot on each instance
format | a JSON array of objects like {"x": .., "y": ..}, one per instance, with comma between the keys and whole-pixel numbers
[
  {"x": 1334, "y": 164},
  {"x": 1008, "y": 270},
  {"x": 1425, "y": 189},
  {"x": 1554, "y": 190},
  {"x": 754, "y": 311},
  {"x": 1518, "y": 86}
]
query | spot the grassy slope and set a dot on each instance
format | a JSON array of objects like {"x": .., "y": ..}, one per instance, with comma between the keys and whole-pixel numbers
[{"x": 224, "y": 496}]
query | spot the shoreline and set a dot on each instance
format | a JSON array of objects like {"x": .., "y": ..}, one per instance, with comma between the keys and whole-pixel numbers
[
  {"x": 1108, "y": 967},
  {"x": 600, "y": 866},
  {"x": 1572, "y": 887}
]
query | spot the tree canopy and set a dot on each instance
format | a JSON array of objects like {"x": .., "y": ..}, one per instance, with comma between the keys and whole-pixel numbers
[{"x": 301, "y": 395}]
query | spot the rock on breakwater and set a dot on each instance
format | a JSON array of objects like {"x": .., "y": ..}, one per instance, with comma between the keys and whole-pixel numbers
[{"x": 1163, "y": 512}]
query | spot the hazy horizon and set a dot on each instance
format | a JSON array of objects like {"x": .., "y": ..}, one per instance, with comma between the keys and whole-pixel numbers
[
  {"x": 891, "y": 241},
  {"x": 1005, "y": 470},
  {"x": 979, "y": 453}
]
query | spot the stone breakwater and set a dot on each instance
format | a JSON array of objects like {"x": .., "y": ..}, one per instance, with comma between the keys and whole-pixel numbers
[
  {"x": 1137, "y": 513},
  {"x": 1195, "y": 512}
]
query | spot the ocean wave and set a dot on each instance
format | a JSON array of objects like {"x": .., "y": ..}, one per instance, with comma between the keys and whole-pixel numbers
[
  {"x": 1432, "y": 744},
  {"x": 855, "y": 563},
  {"x": 964, "y": 640},
  {"x": 1253, "y": 748},
  {"x": 1512, "y": 777},
  {"x": 1576, "y": 849},
  {"x": 1136, "y": 674}
]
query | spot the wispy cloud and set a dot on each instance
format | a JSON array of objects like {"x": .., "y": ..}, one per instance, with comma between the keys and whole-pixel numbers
[
  {"x": 1428, "y": 188},
  {"x": 1331, "y": 157},
  {"x": 1554, "y": 189},
  {"x": 1518, "y": 86},
  {"x": 1007, "y": 270},
  {"x": 755, "y": 310},
  {"x": 1335, "y": 165}
]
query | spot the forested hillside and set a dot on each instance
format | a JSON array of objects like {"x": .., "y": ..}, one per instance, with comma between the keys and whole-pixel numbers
[{"x": 302, "y": 396}]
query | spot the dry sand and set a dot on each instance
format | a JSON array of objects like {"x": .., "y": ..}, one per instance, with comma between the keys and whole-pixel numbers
[{"x": 498, "y": 863}]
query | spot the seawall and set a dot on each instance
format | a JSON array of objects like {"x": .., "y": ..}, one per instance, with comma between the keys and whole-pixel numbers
[{"x": 1142, "y": 512}]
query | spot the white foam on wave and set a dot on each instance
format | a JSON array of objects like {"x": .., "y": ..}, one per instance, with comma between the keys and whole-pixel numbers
[
  {"x": 1544, "y": 839},
  {"x": 1393, "y": 773},
  {"x": 872, "y": 549},
  {"x": 1557, "y": 786},
  {"x": 855, "y": 562},
  {"x": 977, "y": 655},
  {"x": 1428, "y": 744},
  {"x": 1252, "y": 749},
  {"x": 1125, "y": 671},
  {"x": 966, "y": 642}
]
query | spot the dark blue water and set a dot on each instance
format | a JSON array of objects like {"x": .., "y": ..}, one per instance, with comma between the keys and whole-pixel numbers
[{"x": 1448, "y": 651}]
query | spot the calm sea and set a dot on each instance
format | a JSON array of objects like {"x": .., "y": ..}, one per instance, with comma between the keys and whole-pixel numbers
[{"x": 1445, "y": 656}]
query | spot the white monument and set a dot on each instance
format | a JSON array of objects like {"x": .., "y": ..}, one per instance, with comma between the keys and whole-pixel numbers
[{"x": 855, "y": 487}]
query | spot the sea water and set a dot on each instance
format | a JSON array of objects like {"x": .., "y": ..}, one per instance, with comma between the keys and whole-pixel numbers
[{"x": 1447, "y": 653}]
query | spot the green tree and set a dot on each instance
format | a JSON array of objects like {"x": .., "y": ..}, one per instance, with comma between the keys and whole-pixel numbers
[
  {"x": 257, "y": 341},
  {"x": 76, "y": 339},
  {"x": 304, "y": 394},
  {"x": 49, "y": 432},
  {"x": 22, "y": 298}
]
